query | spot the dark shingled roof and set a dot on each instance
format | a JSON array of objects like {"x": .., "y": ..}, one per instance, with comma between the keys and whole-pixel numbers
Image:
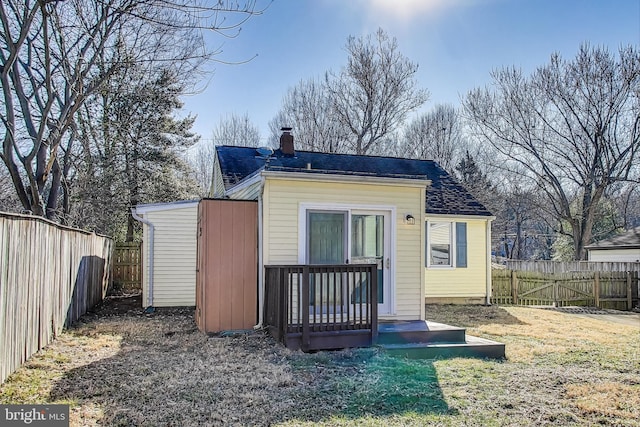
[
  {"x": 445, "y": 196},
  {"x": 627, "y": 240}
]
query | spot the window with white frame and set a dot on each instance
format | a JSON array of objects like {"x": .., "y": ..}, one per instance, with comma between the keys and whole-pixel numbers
[{"x": 446, "y": 243}]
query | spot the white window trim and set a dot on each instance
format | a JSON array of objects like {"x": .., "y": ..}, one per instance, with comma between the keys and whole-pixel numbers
[
  {"x": 452, "y": 245},
  {"x": 349, "y": 208}
]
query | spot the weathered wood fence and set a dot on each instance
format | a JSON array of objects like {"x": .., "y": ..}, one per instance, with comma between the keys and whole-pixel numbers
[
  {"x": 604, "y": 289},
  {"x": 49, "y": 276},
  {"x": 569, "y": 266},
  {"x": 126, "y": 271}
]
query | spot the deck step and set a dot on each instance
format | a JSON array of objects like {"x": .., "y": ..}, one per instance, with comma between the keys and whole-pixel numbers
[
  {"x": 472, "y": 347},
  {"x": 412, "y": 332}
]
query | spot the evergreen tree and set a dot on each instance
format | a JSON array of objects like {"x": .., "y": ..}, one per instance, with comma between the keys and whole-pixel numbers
[{"x": 134, "y": 150}]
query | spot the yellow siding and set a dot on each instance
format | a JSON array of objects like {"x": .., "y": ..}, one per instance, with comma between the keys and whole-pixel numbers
[
  {"x": 174, "y": 257},
  {"x": 467, "y": 282},
  {"x": 282, "y": 200}
]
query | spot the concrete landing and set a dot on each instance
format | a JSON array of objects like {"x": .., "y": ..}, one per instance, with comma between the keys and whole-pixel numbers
[{"x": 431, "y": 340}]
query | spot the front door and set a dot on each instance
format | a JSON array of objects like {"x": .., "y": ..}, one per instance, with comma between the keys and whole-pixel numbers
[
  {"x": 370, "y": 244},
  {"x": 353, "y": 237}
]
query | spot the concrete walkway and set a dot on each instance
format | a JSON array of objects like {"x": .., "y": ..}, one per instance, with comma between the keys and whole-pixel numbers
[{"x": 630, "y": 318}]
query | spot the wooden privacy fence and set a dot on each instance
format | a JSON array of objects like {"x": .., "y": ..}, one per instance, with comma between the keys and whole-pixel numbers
[
  {"x": 606, "y": 289},
  {"x": 126, "y": 271},
  {"x": 49, "y": 276},
  {"x": 566, "y": 266}
]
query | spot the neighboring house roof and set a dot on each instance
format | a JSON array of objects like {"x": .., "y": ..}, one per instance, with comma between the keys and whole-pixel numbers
[
  {"x": 153, "y": 207},
  {"x": 445, "y": 196},
  {"x": 627, "y": 240}
]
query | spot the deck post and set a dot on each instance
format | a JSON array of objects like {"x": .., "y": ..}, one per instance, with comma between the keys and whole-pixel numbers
[
  {"x": 373, "y": 271},
  {"x": 305, "y": 309},
  {"x": 280, "y": 305}
]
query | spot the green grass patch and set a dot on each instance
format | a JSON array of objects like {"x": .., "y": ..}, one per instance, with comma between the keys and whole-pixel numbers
[{"x": 395, "y": 386}]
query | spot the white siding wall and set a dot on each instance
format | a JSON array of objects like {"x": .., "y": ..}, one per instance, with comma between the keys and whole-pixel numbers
[
  {"x": 282, "y": 199},
  {"x": 217, "y": 183},
  {"x": 174, "y": 257},
  {"x": 469, "y": 282},
  {"x": 615, "y": 255}
]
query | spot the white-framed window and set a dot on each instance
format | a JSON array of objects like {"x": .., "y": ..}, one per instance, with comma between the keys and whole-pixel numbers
[{"x": 446, "y": 244}]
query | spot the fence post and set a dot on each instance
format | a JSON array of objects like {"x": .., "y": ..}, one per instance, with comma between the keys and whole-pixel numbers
[
  {"x": 629, "y": 292},
  {"x": 514, "y": 287},
  {"x": 596, "y": 288}
]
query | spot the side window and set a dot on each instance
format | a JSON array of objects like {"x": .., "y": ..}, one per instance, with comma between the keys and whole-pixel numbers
[
  {"x": 440, "y": 243},
  {"x": 443, "y": 242},
  {"x": 461, "y": 244}
]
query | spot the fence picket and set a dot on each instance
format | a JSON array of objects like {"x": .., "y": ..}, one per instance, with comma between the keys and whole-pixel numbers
[
  {"x": 49, "y": 276},
  {"x": 127, "y": 265}
]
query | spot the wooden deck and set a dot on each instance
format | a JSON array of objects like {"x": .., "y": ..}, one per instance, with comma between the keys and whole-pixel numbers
[
  {"x": 326, "y": 307},
  {"x": 320, "y": 307}
]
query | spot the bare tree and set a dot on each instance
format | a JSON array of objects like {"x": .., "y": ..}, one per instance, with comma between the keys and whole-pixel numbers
[
  {"x": 627, "y": 201},
  {"x": 8, "y": 199},
  {"x": 573, "y": 126},
  {"x": 54, "y": 55},
  {"x": 201, "y": 161},
  {"x": 373, "y": 94},
  {"x": 236, "y": 130},
  {"x": 436, "y": 135},
  {"x": 307, "y": 108},
  {"x": 231, "y": 130}
]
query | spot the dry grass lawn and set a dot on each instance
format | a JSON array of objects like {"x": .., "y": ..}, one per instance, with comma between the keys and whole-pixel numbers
[{"x": 122, "y": 367}]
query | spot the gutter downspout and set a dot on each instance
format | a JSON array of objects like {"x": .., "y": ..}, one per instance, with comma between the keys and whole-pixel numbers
[
  {"x": 151, "y": 240},
  {"x": 260, "y": 259},
  {"x": 488, "y": 252}
]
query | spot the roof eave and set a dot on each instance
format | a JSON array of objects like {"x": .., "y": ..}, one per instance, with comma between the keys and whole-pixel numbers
[
  {"x": 154, "y": 207},
  {"x": 248, "y": 181},
  {"x": 461, "y": 216},
  {"x": 359, "y": 179},
  {"x": 612, "y": 247}
]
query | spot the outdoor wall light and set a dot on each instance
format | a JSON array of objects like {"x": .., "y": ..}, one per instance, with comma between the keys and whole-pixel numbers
[{"x": 410, "y": 219}]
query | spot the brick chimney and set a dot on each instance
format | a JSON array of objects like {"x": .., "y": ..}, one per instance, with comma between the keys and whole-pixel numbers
[{"x": 286, "y": 142}]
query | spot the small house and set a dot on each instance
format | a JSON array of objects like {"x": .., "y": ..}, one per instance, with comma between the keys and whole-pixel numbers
[
  {"x": 624, "y": 247},
  {"x": 321, "y": 217}
]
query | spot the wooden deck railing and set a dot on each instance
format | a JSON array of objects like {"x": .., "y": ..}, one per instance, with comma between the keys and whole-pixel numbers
[{"x": 315, "y": 307}]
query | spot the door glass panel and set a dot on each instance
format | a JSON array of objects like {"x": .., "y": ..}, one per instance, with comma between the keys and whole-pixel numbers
[
  {"x": 326, "y": 240},
  {"x": 367, "y": 244},
  {"x": 326, "y": 237}
]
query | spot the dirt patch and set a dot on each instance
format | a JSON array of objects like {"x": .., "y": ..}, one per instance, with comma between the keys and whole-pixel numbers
[
  {"x": 629, "y": 318},
  {"x": 470, "y": 315},
  {"x": 121, "y": 304},
  {"x": 590, "y": 310}
]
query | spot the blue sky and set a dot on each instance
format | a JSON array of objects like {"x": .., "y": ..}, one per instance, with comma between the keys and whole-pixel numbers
[{"x": 455, "y": 42}]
